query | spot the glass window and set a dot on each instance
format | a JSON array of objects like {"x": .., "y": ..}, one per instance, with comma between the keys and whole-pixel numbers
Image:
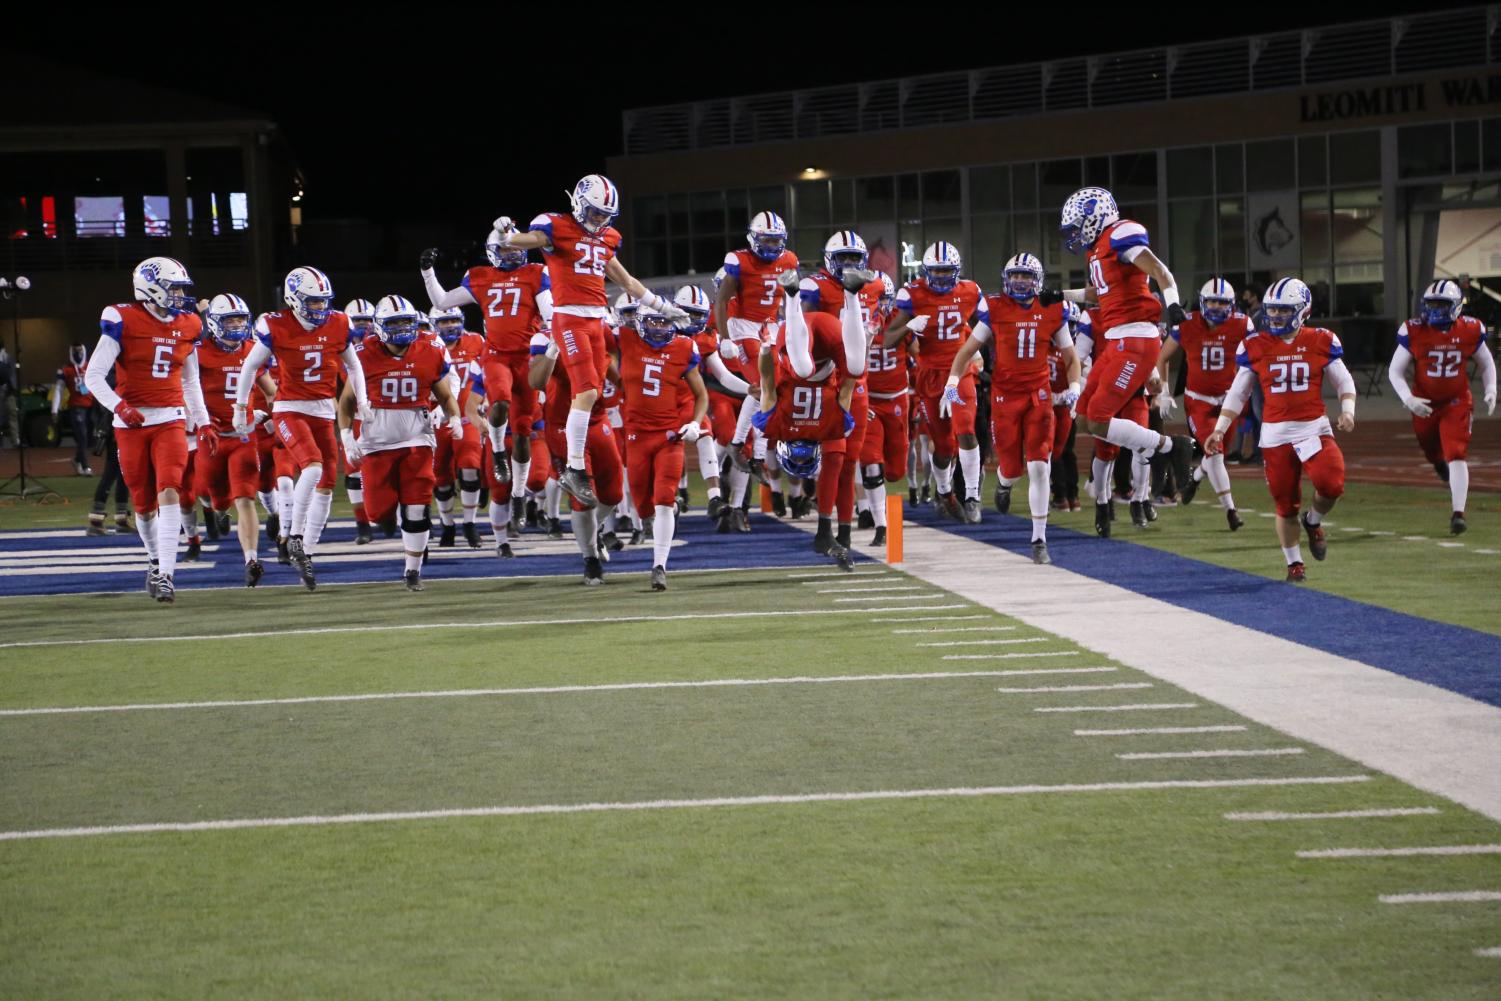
[
  {"x": 1355, "y": 157},
  {"x": 708, "y": 213},
  {"x": 1229, "y": 169},
  {"x": 1097, "y": 171},
  {"x": 1191, "y": 240},
  {"x": 989, "y": 189},
  {"x": 677, "y": 257},
  {"x": 1356, "y": 230},
  {"x": 99, "y": 215},
  {"x": 1466, "y": 147},
  {"x": 1135, "y": 178},
  {"x": 875, "y": 197},
  {"x": 991, "y": 235},
  {"x": 941, "y": 194},
  {"x": 908, "y": 197},
  {"x": 1490, "y": 143},
  {"x": 1060, "y": 178},
  {"x": 769, "y": 199},
  {"x": 677, "y": 216},
  {"x": 909, "y": 234},
  {"x": 843, "y": 197},
  {"x": 1423, "y": 150},
  {"x": 649, "y": 256},
  {"x": 812, "y": 201},
  {"x": 1028, "y": 235},
  {"x": 650, "y": 216},
  {"x": 1232, "y": 235},
  {"x": 1190, "y": 172},
  {"x": 708, "y": 254},
  {"x": 1316, "y": 228},
  {"x": 1024, "y": 186},
  {"x": 807, "y": 244},
  {"x": 1269, "y": 165},
  {"x": 1313, "y": 166},
  {"x": 737, "y": 210}
]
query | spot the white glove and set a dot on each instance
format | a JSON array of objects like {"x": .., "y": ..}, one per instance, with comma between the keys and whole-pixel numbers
[
  {"x": 552, "y": 350},
  {"x": 1165, "y": 404},
  {"x": 1418, "y": 406},
  {"x": 730, "y": 351},
  {"x": 351, "y": 445},
  {"x": 435, "y": 418},
  {"x": 1068, "y": 397},
  {"x": 456, "y": 426},
  {"x": 689, "y": 433},
  {"x": 503, "y": 225},
  {"x": 241, "y": 419},
  {"x": 364, "y": 411},
  {"x": 259, "y": 417},
  {"x": 675, "y": 315},
  {"x": 950, "y": 396},
  {"x": 918, "y": 324},
  {"x": 1490, "y": 402}
]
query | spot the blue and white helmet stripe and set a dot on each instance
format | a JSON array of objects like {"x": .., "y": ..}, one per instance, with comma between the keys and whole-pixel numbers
[
  {"x": 1216, "y": 290},
  {"x": 1291, "y": 293},
  {"x": 843, "y": 242},
  {"x": 1443, "y": 301}
]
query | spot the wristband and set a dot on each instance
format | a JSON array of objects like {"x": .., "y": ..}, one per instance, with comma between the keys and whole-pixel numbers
[
  {"x": 1073, "y": 387},
  {"x": 953, "y": 382},
  {"x": 1222, "y": 423},
  {"x": 1170, "y": 296},
  {"x": 1347, "y": 406},
  {"x": 1075, "y": 295},
  {"x": 651, "y": 301}
]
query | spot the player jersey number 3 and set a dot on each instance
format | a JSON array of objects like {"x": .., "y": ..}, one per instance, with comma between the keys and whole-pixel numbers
[{"x": 592, "y": 260}]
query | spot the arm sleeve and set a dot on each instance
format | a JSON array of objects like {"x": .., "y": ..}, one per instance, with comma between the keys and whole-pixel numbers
[
  {"x": 799, "y": 346},
  {"x": 1344, "y": 382},
  {"x": 57, "y": 394},
  {"x": 258, "y": 356},
  {"x": 853, "y": 330},
  {"x": 722, "y": 375},
  {"x": 1062, "y": 338},
  {"x": 354, "y": 375},
  {"x": 807, "y": 292},
  {"x": 1240, "y": 391},
  {"x": 544, "y": 302},
  {"x": 981, "y": 332},
  {"x": 1487, "y": 367},
  {"x": 446, "y": 299},
  {"x": 192, "y": 391},
  {"x": 1084, "y": 344},
  {"x": 97, "y": 375},
  {"x": 1396, "y": 372}
]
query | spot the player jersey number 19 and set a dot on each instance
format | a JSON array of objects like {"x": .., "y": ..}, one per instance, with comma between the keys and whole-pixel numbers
[{"x": 1212, "y": 357}]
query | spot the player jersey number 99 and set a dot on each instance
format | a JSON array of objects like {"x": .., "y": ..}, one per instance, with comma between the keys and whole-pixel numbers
[
  {"x": 1289, "y": 377},
  {"x": 592, "y": 260},
  {"x": 399, "y": 389}
]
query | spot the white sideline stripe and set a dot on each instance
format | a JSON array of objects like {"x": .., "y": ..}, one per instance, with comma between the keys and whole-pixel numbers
[
  {"x": 1158, "y": 729},
  {"x": 1012, "y": 656},
  {"x": 1384, "y": 534},
  {"x": 1401, "y": 852},
  {"x": 1132, "y": 707},
  {"x": 134, "y": 566},
  {"x": 1026, "y": 639},
  {"x": 956, "y": 629},
  {"x": 1079, "y": 688},
  {"x": 1265, "y": 752},
  {"x": 493, "y": 624},
  {"x": 1414, "y": 538},
  {"x": 466, "y": 693},
  {"x": 906, "y": 597},
  {"x": 1351, "y": 528},
  {"x": 1459, "y": 897},
  {"x": 871, "y": 590},
  {"x": 931, "y": 618},
  {"x": 1401, "y": 811},
  {"x": 1489, "y": 552},
  {"x": 814, "y": 578},
  {"x": 1493, "y": 953},
  {"x": 668, "y": 804}
]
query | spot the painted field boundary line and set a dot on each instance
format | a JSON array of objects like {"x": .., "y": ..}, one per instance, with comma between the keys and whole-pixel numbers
[
  {"x": 1493, "y": 953},
  {"x": 1457, "y": 897},
  {"x": 1014, "y": 656},
  {"x": 961, "y": 792},
  {"x": 1123, "y": 686},
  {"x": 879, "y": 589},
  {"x": 471, "y": 693},
  {"x": 952, "y": 629},
  {"x": 1265, "y": 752},
  {"x": 1159, "y": 729},
  {"x": 1006, "y": 642},
  {"x": 492, "y": 624},
  {"x": 935, "y": 618},
  {"x": 1132, "y": 707},
  {"x": 1401, "y": 852},
  {"x": 1399, "y": 811},
  {"x": 930, "y": 596}
]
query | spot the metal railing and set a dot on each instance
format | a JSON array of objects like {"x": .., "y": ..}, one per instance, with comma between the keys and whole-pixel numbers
[{"x": 1446, "y": 40}]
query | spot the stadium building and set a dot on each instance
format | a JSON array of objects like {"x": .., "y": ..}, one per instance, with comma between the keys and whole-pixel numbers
[{"x": 1365, "y": 157}]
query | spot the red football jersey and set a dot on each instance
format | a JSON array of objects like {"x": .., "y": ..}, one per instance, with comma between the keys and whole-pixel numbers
[
  {"x": 401, "y": 382},
  {"x": 219, "y": 375},
  {"x": 1291, "y": 372},
  {"x": 576, "y": 259},
  {"x": 759, "y": 296},
  {"x": 886, "y": 369},
  {"x": 509, "y": 299},
  {"x": 823, "y": 293},
  {"x": 1021, "y": 337},
  {"x": 1124, "y": 292},
  {"x": 948, "y": 316},
  {"x": 308, "y": 359},
  {"x": 148, "y": 372},
  {"x": 651, "y": 378},
  {"x": 1209, "y": 350},
  {"x": 78, "y": 393},
  {"x": 1439, "y": 357}
]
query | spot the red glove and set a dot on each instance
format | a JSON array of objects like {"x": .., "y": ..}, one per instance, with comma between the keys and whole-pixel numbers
[
  {"x": 132, "y": 417},
  {"x": 208, "y": 441}
]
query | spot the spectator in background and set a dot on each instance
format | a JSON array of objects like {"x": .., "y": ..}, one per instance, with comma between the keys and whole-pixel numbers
[
  {"x": 81, "y": 406},
  {"x": 1247, "y": 450}
]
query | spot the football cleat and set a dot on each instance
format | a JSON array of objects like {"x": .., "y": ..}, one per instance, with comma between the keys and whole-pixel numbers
[
  {"x": 533, "y": 515},
  {"x": 153, "y": 580},
  {"x": 842, "y": 557},
  {"x": 576, "y": 483},
  {"x": 445, "y": 541},
  {"x": 471, "y": 535},
  {"x": 739, "y": 520},
  {"x": 1181, "y": 456},
  {"x": 283, "y": 553},
  {"x": 211, "y": 525},
  {"x": 800, "y": 507},
  {"x": 95, "y": 527},
  {"x": 723, "y": 528},
  {"x": 501, "y": 466},
  {"x": 880, "y": 537},
  {"x": 682, "y": 501},
  {"x": 912, "y": 497},
  {"x": 659, "y": 578},
  {"x": 1040, "y": 552},
  {"x": 1187, "y": 490},
  {"x": 1138, "y": 516},
  {"x": 1457, "y": 524},
  {"x": 716, "y": 508},
  {"x": 867, "y": 520},
  {"x": 972, "y": 511},
  {"x": 1296, "y": 573},
  {"x": 254, "y": 571},
  {"x": 842, "y": 535},
  {"x": 1003, "y": 498},
  {"x": 926, "y": 495},
  {"x": 610, "y": 542},
  {"x": 362, "y": 536},
  {"x": 195, "y": 550},
  {"x": 413, "y": 579},
  {"x": 594, "y": 571},
  {"x": 1318, "y": 545},
  {"x": 1102, "y": 520},
  {"x": 165, "y": 592},
  {"x": 1233, "y": 519},
  {"x": 948, "y": 507},
  {"x": 303, "y": 562},
  {"x": 778, "y": 504},
  {"x": 823, "y": 538},
  {"x": 520, "y": 516},
  {"x": 1149, "y": 510},
  {"x": 122, "y": 523},
  {"x": 503, "y": 551},
  {"x": 1442, "y": 469},
  {"x": 636, "y": 536},
  {"x": 223, "y": 523}
]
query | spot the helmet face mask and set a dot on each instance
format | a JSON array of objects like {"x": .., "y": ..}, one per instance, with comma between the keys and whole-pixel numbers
[
  {"x": 941, "y": 278},
  {"x": 843, "y": 250},
  {"x": 505, "y": 258},
  {"x": 800, "y": 458},
  {"x": 1085, "y": 215},
  {"x": 654, "y": 328},
  {"x": 1022, "y": 277},
  {"x": 1216, "y": 311},
  {"x": 360, "y": 327},
  {"x": 767, "y": 236},
  {"x": 940, "y": 266},
  {"x": 1442, "y": 304},
  {"x": 230, "y": 330},
  {"x": 595, "y": 202},
  {"x": 1286, "y": 305},
  {"x": 396, "y": 322},
  {"x": 450, "y": 328},
  {"x": 310, "y": 294},
  {"x": 164, "y": 283}
]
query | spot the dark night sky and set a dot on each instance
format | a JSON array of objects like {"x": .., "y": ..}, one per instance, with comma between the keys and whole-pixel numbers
[{"x": 396, "y": 122}]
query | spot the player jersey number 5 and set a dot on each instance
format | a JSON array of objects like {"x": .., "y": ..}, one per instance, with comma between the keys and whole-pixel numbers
[{"x": 592, "y": 260}]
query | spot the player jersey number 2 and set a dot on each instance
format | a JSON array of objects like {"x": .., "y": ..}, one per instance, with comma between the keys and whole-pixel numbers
[
  {"x": 314, "y": 370},
  {"x": 592, "y": 260},
  {"x": 1444, "y": 363},
  {"x": 497, "y": 301},
  {"x": 1289, "y": 377}
]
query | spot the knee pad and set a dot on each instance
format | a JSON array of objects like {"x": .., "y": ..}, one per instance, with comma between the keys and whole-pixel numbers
[
  {"x": 873, "y": 480},
  {"x": 469, "y": 480},
  {"x": 443, "y": 493},
  {"x": 352, "y": 481},
  {"x": 416, "y": 525}
]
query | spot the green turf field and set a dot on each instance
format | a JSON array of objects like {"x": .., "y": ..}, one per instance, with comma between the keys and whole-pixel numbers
[{"x": 1017, "y": 892}]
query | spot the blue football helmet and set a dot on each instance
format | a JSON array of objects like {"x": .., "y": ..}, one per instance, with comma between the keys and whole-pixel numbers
[
  {"x": 396, "y": 321},
  {"x": 1286, "y": 305},
  {"x": 767, "y": 236},
  {"x": 654, "y": 327},
  {"x": 1022, "y": 277},
  {"x": 449, "y": 323},
  {"x": 692, "y": 300},
  {"x": 800, "y": 458},
  {"x": 228, "y": 321},
  {"x": 940, "y": 266}
]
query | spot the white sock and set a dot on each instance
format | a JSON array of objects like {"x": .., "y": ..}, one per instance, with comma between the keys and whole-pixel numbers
[
  {"x": 758, "y": 445},
  {"x": 748, "y": 408},
  {"x": 944, "y": 477},
  {"x": 585, "y": 529},
  {"x": 414, "y": 543},
  {"x": 356, "y": 496},
  {"x": 552, "y": 499},
  {"x": 268, "y": 500},
  {"x": 739, "y": 480},
  {"x": 500, "y": 514},
  {"x": 445, "y": 508},
  {"x": 168, "y": 525},
  {"x": 285, "y": 493},
  {"x": 1129, "y": 434},
  {"x": 1293, "y": 554},
  {"x": 969, "y": 461},
  {"x": 1099, "y": 480},
  {"x": 317, "y": 517},
  {"x": 578, "y": 437},
  {"x": 498, "y": 436},
  {"x": 1459, "y": 484},
  {"x": 795, "y": 489},
  {"x": 713, "y": 492},
  {"x": 708, "y": 457},
  {"x": 469, "y": 501},
  {"x": 876, "y": 497},
  {"x": 302, "y": 496},
  {"x": 1038, "y": 475},
  {"x": 923, "y": 449},
  {"x": 862, "y": 503},
  {"x": 189, "y": 520},
  {"x": 1039, "y": 529},
  {"x": 520, "y": 473},
  {"x": 664, "y": 521},
  {"x": 146, "y": 529},
  {"x": 1213, "y": 467},
  {"x": 1141, "y": 478}
]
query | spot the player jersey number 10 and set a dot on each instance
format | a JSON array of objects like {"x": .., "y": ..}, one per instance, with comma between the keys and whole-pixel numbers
[
  {"x": 1097, "y": 277},
  {"x": 592, "y": 260},
  {"x": 1289, "y": 377}
]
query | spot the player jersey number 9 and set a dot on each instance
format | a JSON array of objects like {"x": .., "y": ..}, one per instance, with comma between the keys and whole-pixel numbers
[
  {"x": 161, "y": 364},
  {"x": 1446, "y": 364},
  {"x": 1212, "y": 357},
  {"x": 497, "y": 301},
  {"x": 231, "y": 383},
  {"x": 399, "y": 388},
  {"x": 807, "y": 403},
  {"x": 1289, "y": 377},
  {"x": 592, "y": 260}
]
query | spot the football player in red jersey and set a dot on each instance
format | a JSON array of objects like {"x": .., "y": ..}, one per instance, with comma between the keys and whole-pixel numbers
[
  {"x": 1290, "y": 361},
  {"x": 654, "y": 364},
  {"x": 723, "y": 407},
  {"x": 883, "y": 456},
  {"x": 149, "y": 344},
  {"x": 1440, "y": 340},
  {"x": 1120, "y": 263},
  {"x": 746, "y": 303},
  {"x": 361, "y": 313},
  {"x": 1207, "y": 340},
  {"x": 580, "y": 250},
  {"x": 457, "y": 460},
  {"x": 395, "y": 448},
  {"x": 938, "y": 309},
  {"x": 306, "y": 340},
  {"x": 231, "y": 475},
  {"x": 516, "y": 297},
  {"x": 80, "y": 409}
]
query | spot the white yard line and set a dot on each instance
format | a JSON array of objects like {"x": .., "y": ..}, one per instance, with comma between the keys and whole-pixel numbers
[
  {"x": 469, "y": 693},
  {"x": 956, "y": 629},
  {"x": 1123, "y": 686},
  {"x": 1025, "y": 639},
  {"x": 1158, "y": 729},
  {"x": 1013, "y": 656},
  {"x": 873, "y": 590},
  {"x": 1132, "y": 707},
  {"x": 668, "y": 804},
  {"x": 817, "y": 578},
  {"x": 934, "y": 596},
  {"x": 1266, "y": 752},
  {"x": 1401, "y": 852},
  {"x": 1437, "y": 740},
  {"x": 1493, "y": 953},
  {"x": 1400, "y": 811},
  {"x": 1460, "y": 897},
  {"x": 934, "y": 618}
]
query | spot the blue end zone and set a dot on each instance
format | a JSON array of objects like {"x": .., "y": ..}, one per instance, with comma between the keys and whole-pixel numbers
[
  {"x": 1452, "y": 657},
  {"x": 67, "y": 562}
]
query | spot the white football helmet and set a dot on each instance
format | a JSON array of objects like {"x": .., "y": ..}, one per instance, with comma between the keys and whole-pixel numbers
[
  {"x": 305, "y": 288},
  {"x": 843, "y": 250},
  {"x": 424, "y": 322},
  {"x": 595, "y": 201},
  {"x": 164, "y": 283},
  {"x": 1216, "y": 300},
  {"x": 396, "y": 321},
  {"x": 450, "y": 323},
  {"x": 1022, "y": 277},
  {"x": 940, "y": 266},
  {"x": 1286, "y": 305},
  {"x": 653, "y": 326},
  {"x": 625, "y": 309},
  {"x": 501, "y": 256},
  {"x": 1085, "y": 215},
  {"x": 228, "y": 321},
  {"x": 767, "y": 236},
  {"x": 888, "y": 291},
  {"x": 692, "y": 300},
  {"x": 1442, "y": 303}
]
